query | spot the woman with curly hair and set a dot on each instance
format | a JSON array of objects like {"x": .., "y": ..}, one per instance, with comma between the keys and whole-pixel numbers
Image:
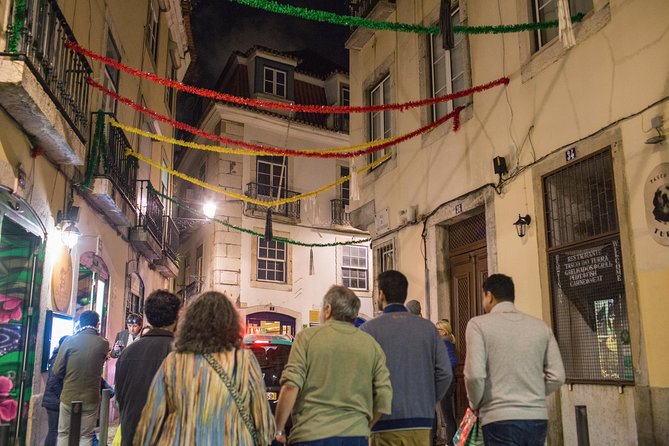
[{"x": 209, "y": 390}]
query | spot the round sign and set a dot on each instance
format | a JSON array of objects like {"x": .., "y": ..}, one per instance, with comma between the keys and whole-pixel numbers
[{"x": 61, "y": 281}]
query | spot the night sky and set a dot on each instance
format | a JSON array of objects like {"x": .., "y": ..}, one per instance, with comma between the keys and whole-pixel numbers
[{"x": 220, "y": 27}]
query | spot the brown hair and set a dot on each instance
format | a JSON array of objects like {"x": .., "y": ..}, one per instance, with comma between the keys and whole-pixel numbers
[{"x": 211, "y": 324}]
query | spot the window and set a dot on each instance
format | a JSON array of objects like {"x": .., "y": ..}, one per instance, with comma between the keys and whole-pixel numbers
[
  {"x": 344, "y": 100},
  {"x": 379, "y": 122},
  {"x": 354, "y": 271},
  {"x": 275, "y": 82},
  {"x": 152, "y": 28},
  {"x": 547, "y": 10},
  {"x": 164, "y": 184},
  {"x": 271, "y": 261},
  {"x": 385, "y": 257},
  {"x": 202, "y": 172},
  {"x": 449, "y": 70},
  {"x": 169, "y": 92},
  {"x": 110, "y": 76},
  {"x": 586, "y": 272},
  {"x": 199, "y": 277},
  {"x": 345, "y": 187},
  {"x": 271, "y": 176}
]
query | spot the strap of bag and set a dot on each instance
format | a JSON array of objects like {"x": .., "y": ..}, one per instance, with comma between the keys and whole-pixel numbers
[{"x": 246, "y": 416}]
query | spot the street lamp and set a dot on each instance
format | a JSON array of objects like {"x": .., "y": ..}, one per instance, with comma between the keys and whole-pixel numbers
[
  {"x": 209, "y": 209},
  {"x": 69, "y": 233}
]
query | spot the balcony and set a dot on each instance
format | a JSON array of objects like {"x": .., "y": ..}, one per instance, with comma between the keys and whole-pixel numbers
[
  {"x": 43, "y": 84},
  {"x": 338, "y": 212},
  {"x": 378, "y": 10},
  {"x": 167, "y": 264},
  {"x": 114, "y": 186},
  {"x": 147, "y": 235},
  {"x": 263, "y": 192}
]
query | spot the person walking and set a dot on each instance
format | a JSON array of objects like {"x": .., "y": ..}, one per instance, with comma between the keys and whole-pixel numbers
[
  {"x": 209, "y": 390},
  {"x": 513, "y": 362},
  {"x": 333, "y": 405},
  {"x": 51, "y": 398},
  {"x": 140, "y": 361},
  {"x": 79, "y": 363},
  {"x": 447, "y": 403},
  {"x": 420, "y": 372}
]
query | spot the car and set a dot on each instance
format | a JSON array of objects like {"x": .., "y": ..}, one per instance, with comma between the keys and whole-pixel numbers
[{"x": 271, "y": 351}]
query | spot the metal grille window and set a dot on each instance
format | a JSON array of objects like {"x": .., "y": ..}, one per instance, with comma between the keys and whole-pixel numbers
[
  {"x": 467, "y": 232},
  {"x": 547, "y": 10},
  {"x": 152, "y": 27},
  {"x": 385, "y": 257},
  {"x": 271, "y": 262},
  {"x": 587, "y": 279},
  {"x": 275, "y": 82},
  {"x": 379, "y": 122},
  {"x": 449, "y": 69},
  {"x": 354, "y": 267}
]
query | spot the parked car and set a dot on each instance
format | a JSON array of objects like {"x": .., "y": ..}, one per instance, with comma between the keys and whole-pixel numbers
[{"x": 271, "y": 351}]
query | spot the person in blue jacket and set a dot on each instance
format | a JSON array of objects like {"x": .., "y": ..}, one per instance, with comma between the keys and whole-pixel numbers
[{"x": 448, "y": 401}]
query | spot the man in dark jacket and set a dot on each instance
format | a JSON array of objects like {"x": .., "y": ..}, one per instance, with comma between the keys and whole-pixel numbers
[
  {"x": 126, "y": 337},
  {"x": 51, "y": 398},
  {"x": 79, "y": 363},
  {"x": 139, "y": 361}
]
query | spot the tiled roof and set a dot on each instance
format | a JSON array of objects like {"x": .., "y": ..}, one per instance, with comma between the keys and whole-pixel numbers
[{"x": 306, "y": 93}]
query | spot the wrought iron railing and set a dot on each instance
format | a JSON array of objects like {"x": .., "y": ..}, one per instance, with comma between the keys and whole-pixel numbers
[
  {"x": 115, "y": 165},
  {"x": 270, "y": 193},
  {"x": 171, "y": 238},
  {"x": 40, "y": 41},
  {"x": 362, "y": 8},
  {"x": 341, "y": 123},
  {"x": 338, "y": 212},
  {"x": 149, "y": 209}
]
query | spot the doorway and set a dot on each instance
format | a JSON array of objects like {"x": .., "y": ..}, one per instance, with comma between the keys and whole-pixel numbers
[{"x": 468, "y": 266}]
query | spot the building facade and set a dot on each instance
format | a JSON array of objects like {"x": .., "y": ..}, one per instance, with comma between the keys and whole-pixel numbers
[
  {"x": 581, "y": 133},
  {"x": 80, "y": 227},
  {"x": 278, "y": 285}
]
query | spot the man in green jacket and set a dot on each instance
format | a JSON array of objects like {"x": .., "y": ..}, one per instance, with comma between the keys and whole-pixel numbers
[
  {"x": 79, "y": 363},
  {"x": 336, "y": 381}
]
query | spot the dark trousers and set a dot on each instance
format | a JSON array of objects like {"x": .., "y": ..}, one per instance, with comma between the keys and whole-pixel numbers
[
  {"x": 335, "y": 441},
  {"x": 52, "y": 434},
  {"x": 448, "y": 410},
  {"x": 515, "y": 433}
]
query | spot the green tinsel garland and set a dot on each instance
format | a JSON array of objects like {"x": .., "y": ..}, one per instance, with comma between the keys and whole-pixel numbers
[
  {"x": 98, "y": 138},
  {"x": 336, "y": 19},
  {"x": 254, "y": 233},
  {"x": 17, "y": 26}
]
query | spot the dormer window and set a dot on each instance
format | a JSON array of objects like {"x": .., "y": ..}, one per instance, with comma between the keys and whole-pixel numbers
[{"x": 274, "y": 82}]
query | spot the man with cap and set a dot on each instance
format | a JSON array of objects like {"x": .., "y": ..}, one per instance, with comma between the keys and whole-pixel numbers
[{"x": 126, "y": 337}]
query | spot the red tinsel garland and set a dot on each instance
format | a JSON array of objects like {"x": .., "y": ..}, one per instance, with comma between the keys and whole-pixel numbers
[
  {"x": 336, "y": 109},
  {"x": 455, "y": 114}
]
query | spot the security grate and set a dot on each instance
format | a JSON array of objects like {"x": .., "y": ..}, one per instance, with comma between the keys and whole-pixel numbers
[
  {"x": 587, "y": 280},
  {"x": 467, "y": 232}
]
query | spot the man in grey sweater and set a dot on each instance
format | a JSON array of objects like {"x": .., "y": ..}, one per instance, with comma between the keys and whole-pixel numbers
[{"x": 513, "y": 362}]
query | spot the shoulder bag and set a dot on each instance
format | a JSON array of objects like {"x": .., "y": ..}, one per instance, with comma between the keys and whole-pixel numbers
[{"x": 246, "y": 416}]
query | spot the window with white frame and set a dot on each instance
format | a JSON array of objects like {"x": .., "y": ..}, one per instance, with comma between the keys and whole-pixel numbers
[
  {"x": 344, "y": 100},
  {"x": 385, "y": 257},
  {"x": 271, "y": 261},
  {"x": 379, "y": 122},
  {"x": 152, "y": 28},
  {"x": 274, "y": 82},
  {"x": 449, "y": 69},
  {"x": 546, "y": 11},
  {"x": 111, "y": 76},
  {"x": 271, "y": 175},
  {"x": 354, "y": 268}
]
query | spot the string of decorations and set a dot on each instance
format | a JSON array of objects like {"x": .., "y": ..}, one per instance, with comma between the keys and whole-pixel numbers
[
  {"x": 17, "y": 26},
  {"x": 362, "y": 22},
  {"x": 245, "y": 198},
  {"x": 303, "y": 108},
  {"x": 254, "y": 233},
  {"x": 455, "y": 114},
  {"x": 218, "y": 149}
]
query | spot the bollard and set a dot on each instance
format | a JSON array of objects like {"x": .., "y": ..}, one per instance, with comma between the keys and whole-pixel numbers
[
  {"x": 104, "y": 416},
  {"x": 4, "y": 434},
  {"x": 75, "y": 423}
]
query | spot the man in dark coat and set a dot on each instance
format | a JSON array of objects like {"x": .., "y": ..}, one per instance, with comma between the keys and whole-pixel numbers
[
  {"x": 51, "y": 398},
  {"x": 140, "y": 361}
]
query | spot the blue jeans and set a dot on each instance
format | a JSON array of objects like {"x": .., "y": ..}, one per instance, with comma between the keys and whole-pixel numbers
[
  {"x": 515, "y": 433},
  {"x": 335, "y": 441}
]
